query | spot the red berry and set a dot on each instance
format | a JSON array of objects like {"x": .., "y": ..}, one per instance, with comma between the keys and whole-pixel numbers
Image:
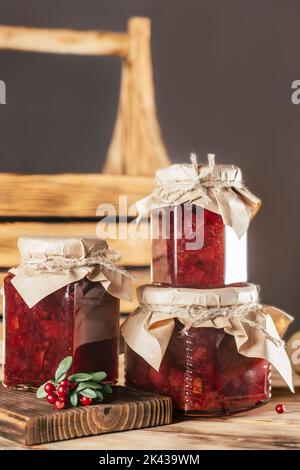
[
  {"x": 62, "y": 391},
  {"x": 49, "y": 387},
  {"x": 86, "y": 401},
  {"x": 280, "y": 408},
  {"x": 60, "y": 404},
  {"x": 51, "y": 398},
  {"x": 65, "y": 382}
]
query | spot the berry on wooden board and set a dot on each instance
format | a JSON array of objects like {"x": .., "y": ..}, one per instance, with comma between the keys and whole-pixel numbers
[
  {"x": 49, "y": 387},
  {"x": 86, "y": 401},
  {"x": 80, "y": 388},
  {"x": 51, "y": 398}
]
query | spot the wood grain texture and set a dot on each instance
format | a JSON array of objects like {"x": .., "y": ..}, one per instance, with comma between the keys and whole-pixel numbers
[
  {"x": 260, "y": 429},
  {"x": 25, "y": 419},
  {"x": 133, "y": 252},
  {"x": 67, "y": 195},
  {"x": 137, "y": 146},
  {"x": 63, "y": 41}
]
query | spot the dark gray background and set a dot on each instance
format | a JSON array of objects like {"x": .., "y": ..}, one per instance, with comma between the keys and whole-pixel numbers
[{"x": 223, "y": 73}]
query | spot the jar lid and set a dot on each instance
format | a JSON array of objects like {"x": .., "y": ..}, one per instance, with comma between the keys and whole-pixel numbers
[
  {"x": 208, "y": 174},
  {"x": 48, "y": 264},
  {"x": 217, "y": 188},
  {"x": 44, "y": 247},
  {"x": 161, "y": 295}
]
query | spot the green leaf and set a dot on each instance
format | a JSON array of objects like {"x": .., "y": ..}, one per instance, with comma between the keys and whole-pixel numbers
[
  {"x": 80, "y": 377},
  {"x": 63, "y": 368},
  {"x": 74, "y": 398},
  {"x": 88, "y": 384},
  {"x": 107, "y": 388},
  {"x": 98, "y": 376},
  {"x": 88, "y": 392},
  {"x": 40, "y": 393},
  {"x": 60, "y": 378},
  {"x": 100, "y": 395}
]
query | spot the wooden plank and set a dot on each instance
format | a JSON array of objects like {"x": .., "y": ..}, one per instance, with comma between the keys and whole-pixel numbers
[
  {"x": 30, "y": 421},
  {"x": 67, "y": 195},
  {"x": 133, "y": 252},
  {"x": 142, "y": 277},
  {"x": 63, "y": 41},
  {"x": 137, "y": 147},
  {"x": 261, "y": 429}
]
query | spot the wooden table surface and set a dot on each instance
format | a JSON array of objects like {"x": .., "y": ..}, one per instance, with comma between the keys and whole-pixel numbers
[{"x": 262, "y": 428}]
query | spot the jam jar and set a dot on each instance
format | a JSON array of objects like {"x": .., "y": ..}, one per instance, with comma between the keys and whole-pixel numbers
[
  {"x": 200, "y": 214},
  {"x": 199, "y": 367},
  {"x": 52, "y": 312},
  {"x": 199, "y": 249}
]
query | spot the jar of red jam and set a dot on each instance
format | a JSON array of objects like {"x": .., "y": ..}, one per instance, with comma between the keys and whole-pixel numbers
[
  {"x": 204, "y": 348},
  {"x": 199, "y": 220},
  {"x": 57, "y": 303}
]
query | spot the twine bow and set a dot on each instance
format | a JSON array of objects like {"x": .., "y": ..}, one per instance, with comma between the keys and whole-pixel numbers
[{"x": 170, "y": 192}]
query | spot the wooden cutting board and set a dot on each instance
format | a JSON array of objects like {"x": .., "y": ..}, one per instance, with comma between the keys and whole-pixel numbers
[{"x": 25, "y": 419}]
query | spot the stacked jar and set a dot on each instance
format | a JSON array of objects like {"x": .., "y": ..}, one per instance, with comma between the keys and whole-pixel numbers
[
  {"x": 62, "y": 300},
  {"x": 199, "y": 334}
]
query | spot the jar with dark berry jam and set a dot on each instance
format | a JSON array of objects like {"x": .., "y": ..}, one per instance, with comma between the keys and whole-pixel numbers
[
  {"x": 199, "y": 220},
  {"x": 56, "y": 305},
  {"x": 203, "y": 348}
]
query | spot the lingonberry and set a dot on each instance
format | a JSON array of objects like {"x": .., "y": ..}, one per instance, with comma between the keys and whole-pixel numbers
[
  {"x": 280, "y": 408},
  {"x": 49, "y": 387},
  {"x": 51, "y": 398},
  {"x": 65, "y": 382},
  {"x": 62, "y": 391},
  {"x": 86, "y": 401},
  {"x": 60, "y": 404}
]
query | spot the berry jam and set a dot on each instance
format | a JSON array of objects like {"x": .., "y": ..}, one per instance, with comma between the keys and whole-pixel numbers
[
  {"x": 80, "y": 319},
  {"x": 189, "y": 249},
  {"x": 203, "y": 374}
]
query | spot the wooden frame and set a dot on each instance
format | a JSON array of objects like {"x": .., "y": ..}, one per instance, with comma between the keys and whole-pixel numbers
[
  {"x": 135, "y": 152},
  {"x": 136, "y": 147}
]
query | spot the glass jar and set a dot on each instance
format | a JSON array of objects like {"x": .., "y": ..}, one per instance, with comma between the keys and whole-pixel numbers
[
  {"x": 191, "y": 246},
  {"x": 200, "y": 214},
  {"x": 200, "y": 368},
  {"x": 201, "y": 378},
  {"x": 79, "y": 319}
]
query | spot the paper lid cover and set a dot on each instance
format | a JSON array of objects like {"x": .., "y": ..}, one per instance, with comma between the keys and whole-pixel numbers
[{"x": 221, "y": 297}]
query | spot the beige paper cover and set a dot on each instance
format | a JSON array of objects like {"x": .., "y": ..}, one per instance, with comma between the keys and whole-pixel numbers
[
  {"x": 148, "y": 332},
  {"x": 34, "y": 285},
  {"x": 218, "y": 188}
]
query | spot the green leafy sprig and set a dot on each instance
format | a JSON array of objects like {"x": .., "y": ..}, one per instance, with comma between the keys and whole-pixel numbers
[{"x": 84, "y": 384}]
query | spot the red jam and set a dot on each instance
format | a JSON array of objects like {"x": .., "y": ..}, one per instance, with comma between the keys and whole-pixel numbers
[
  {"x": 189, "y": 249},
  {"x": 38, "y": 338},
  {"x": 203, "y": 374}
]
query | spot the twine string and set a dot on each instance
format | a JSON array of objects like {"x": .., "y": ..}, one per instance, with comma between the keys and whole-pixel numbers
[
  {"x": 52, "y": 264},
  {"x": 170, "y": 192},
  {"x": 196, "y": 315}
]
